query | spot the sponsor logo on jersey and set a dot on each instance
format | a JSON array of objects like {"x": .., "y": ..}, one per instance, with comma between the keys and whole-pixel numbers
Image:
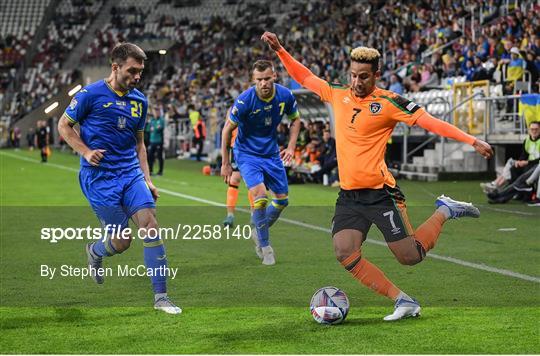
[
  {"x": 108, "y": 104},
  {"x": 268, "y": 108},
  {"x": 375, "y": 108},
  {"x": 346, "y": 100},
  {"x": 268, "y": 121},
  {"x": 121, "y": 103},
  {"x": 256, "y": 111},
  {"x": 234, "y": 110}
]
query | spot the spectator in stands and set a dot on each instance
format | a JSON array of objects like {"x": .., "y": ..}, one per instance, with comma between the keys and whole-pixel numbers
[
  {"x": 516, "y": 66},
  {"x": 533, "y": 66},
  {"x": 470, "y": 70},
  {"x": 327, "y": 159},
  {"x": 530, "y": 156},
  {"x": 282, "y": 136},
  {"x": 395, "y": 84},
  {"x": 520, "y": 189}
]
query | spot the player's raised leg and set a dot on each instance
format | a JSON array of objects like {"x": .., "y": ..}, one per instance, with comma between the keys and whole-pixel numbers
[
  {"x": 412, "y": 250},
  {"x": 155, "y": 259}
]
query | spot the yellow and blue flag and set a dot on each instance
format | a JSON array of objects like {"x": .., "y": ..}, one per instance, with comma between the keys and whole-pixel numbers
[{"x": 529, "y": 107}]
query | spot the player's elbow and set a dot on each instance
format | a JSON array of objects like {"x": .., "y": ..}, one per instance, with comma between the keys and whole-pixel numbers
[{"x": 62, "y": 126}]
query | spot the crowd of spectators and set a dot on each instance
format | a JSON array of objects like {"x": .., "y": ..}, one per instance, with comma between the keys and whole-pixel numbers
[
  {"x": 44, "y": 78},
  {"x": 315, "y": 154}
]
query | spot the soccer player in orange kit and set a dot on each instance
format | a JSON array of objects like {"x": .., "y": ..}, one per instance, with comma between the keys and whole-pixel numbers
[{"x": 365, "y": 117}]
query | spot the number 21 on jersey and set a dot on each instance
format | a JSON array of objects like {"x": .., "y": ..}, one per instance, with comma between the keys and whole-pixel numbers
[{"x": 136, "y": 108}]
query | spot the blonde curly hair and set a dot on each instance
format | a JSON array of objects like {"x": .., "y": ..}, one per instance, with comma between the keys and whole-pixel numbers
[{"x": 366, "y": 55}]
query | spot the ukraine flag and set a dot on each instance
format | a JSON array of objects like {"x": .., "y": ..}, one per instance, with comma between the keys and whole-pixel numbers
[{"x": 529, "y": 107}]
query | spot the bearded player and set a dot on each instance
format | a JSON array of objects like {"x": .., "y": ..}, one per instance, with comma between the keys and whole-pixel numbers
[{"x": 256, "y": 114}]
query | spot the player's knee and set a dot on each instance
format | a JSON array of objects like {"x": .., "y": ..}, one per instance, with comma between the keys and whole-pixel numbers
[
  {"x": 342, "y": 253},
  {"x": 280, "y": 203},
  {"x": 409, "y": 259},
  {"x": 121, "y": 243},
  {"x": 260, "y": 202}
]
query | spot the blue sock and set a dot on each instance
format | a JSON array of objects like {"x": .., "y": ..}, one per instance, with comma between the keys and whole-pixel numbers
[
  {"x": 104, "y": 248},
  {"x": 275, "y": 208},
  {"x": 260, "y": 221},
  {"x": 154, "y": 258}
]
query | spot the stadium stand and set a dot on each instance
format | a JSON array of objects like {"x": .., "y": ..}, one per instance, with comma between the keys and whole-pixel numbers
[{"x": 429, "y": 49}]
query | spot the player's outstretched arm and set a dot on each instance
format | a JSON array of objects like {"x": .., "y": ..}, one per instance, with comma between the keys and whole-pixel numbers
[
  {"x": 226, "y": 134},
  {"x": 441, "y": 128},
  {"x": 295, "y": 69},
  {"x": 66, "y": 130}
]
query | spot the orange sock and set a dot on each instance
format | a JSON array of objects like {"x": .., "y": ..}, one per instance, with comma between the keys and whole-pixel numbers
[
  {"x": 369, "y": 275},
  {"x": 250, "y": 198},
  {"x": 428, "y": 233},
  {"x": 232, "y": 196}
]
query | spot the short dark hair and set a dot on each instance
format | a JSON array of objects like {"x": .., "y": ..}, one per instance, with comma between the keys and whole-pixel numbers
[
  {"x": 261, "y": 65},
  {"x": 534, "y": 122},
  {"x": 122, "y": 51}
]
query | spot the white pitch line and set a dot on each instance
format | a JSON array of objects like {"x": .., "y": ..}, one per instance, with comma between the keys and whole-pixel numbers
[{"x": 457, "y": 261}]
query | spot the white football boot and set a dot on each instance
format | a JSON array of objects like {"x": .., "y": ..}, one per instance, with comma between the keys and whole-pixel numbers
[
  {"x": 94, "y": 264},
  {"x": 404, "y": 308},
  {"x": 458, "y": 209},
  {"x": 268, "y": 256},
  {"x": 166, "y": 305}
]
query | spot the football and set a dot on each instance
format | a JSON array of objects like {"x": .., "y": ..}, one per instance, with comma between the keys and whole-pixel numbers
[{"x": 329, "y": 305}]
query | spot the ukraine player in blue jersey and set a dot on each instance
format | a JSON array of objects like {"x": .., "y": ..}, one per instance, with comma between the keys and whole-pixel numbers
[
  {"x": 114, "y": 173},
  {"x": 257, "y": 112}
]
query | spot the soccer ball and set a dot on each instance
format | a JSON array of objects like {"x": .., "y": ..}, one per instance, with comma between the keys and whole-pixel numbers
[{"x": 329, "y": 305}]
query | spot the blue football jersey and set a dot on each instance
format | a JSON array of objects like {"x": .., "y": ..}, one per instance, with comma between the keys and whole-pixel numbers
[
  {"x": 258, "y": 119},
  {"x": 109, "y": 120}
]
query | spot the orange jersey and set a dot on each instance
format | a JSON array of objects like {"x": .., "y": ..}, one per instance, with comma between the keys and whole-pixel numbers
[
  {"x": 364, "y": 125},
  {"x": 362, "y": 129}
]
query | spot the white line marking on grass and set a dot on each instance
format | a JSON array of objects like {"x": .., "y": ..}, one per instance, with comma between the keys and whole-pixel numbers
[
  {"x": 457, "y": 261},
  {"x": 524, "y": 213},
  {"x": 12, "y": 155}
]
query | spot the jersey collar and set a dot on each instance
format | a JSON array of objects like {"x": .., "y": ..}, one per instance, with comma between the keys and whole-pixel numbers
[
  {"x": 117, "y": 92},
  {"x": 371, "y": 96}
]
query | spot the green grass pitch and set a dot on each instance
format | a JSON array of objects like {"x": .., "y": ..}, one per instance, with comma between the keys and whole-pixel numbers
[{"x": 232, "y": 304}]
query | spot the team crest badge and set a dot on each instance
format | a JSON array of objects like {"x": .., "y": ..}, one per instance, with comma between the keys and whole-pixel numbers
[
  {"x": 375, "y": 108},
  {"x": 268, "y": 121},
  {"x": 121, "y": 122}
]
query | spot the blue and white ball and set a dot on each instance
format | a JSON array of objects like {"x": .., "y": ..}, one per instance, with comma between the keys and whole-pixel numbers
[{"x": 329, "y": 305}]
